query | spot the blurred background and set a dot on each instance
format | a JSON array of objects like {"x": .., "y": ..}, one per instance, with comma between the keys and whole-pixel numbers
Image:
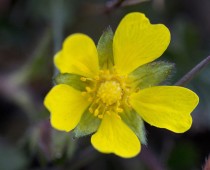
[{"x": 32, "y": 31}]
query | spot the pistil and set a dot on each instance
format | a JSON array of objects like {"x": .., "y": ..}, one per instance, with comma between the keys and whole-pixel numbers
[{"x": 108, "y": 93}]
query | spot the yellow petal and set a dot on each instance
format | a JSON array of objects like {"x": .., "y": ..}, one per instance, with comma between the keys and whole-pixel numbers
[
  {"x": 79, "y": 56},
  {"x": 166, "y": 106},
  {"x": 66, "y": 106},
  {"x": 137, "y": 42},
  {"x": 114, "y": 136}
]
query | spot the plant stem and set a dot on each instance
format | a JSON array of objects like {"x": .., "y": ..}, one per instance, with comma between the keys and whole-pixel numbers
[
  {"x": 192, "y": 73},
  {"x": 113, "y": 5}
]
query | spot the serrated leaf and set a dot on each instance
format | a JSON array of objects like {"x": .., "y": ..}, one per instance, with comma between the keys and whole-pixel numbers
[
  {"x": 71, "y": 80},
  {"x": 135, "y": 122},
  {"x": 87, "y": 125},
  {"x": 152, "y": 74},
  {"x": 104, "y": 48}
]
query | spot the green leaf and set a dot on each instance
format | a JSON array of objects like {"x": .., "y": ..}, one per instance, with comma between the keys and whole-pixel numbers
[
  {"x": 71, "y": 80},
  {"x": 87, "y": 125},
  {"x": 152, "y": 74},
  {"x": 135, "y": 122},
  {"x": 104, "y": 48}
]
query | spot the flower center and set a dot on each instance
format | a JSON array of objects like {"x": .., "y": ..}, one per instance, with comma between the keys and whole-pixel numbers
[{"x": 109, "y": 92}]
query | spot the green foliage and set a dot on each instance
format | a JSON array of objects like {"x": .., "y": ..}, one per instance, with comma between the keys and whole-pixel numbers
[
  {"x": 134, "y": 121},
  {"x": 104, "y": 48},
  {"x": 152, "y": 74},
  {"x": 71, "y": 80},
  {"x": 87, "y": 125},
  {"x": 32, "y": 31}
]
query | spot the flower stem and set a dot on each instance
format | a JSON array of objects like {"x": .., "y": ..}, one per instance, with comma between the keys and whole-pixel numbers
[
  {"x": 192, "y": 73},
  {"x": 113, "y": 5}
]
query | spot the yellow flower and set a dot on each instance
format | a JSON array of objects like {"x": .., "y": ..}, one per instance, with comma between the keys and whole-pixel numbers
[{"x": 107, "y": 90}]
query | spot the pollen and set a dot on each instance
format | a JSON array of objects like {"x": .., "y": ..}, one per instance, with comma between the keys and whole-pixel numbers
[{"x": 109, "y": 92}]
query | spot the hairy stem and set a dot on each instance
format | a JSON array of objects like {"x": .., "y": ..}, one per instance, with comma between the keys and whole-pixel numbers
[
  {"x": 192, "y": 73},
  {"x": 113, "y": 5}
]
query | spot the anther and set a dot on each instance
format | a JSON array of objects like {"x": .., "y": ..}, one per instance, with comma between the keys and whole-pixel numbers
[
  {"x": 100, "y": 116},
  {"x": 96, "y": 112},
  {"x": 83, "y": 79},
  {"x": 90, "y": 110},
  {"x": 120, "y": 110},
  {"x": 88, "y": 89},
  {"x": 118, "y": 116}
]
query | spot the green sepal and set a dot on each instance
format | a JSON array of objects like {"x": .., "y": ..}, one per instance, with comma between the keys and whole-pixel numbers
[
  {"x": 152, "y": 74},
  {"x": 71, "y": 80},
  {"x": 105, "y": 49},
  {"x": 87, "y": 125},
  {"x": 136, "y": 124}
]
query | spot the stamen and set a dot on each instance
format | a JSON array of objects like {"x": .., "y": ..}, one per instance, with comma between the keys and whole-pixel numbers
[
  {"x": 107, "y": 92},
  {"x": 88, "y": 89},
  {"x": 90, "y": 109},
  {"x": 100, "y": 116},
  {"x": 119, "y": 110},
  {"x": 96, "y": 112},
  {"x": 118, "y": 116},
  {"x": 83, "y": 78},
  {"x": 86, "y": 78}
]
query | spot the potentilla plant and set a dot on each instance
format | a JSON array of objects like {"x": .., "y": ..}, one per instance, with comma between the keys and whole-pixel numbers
[{"x": 108, "y": 90}]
